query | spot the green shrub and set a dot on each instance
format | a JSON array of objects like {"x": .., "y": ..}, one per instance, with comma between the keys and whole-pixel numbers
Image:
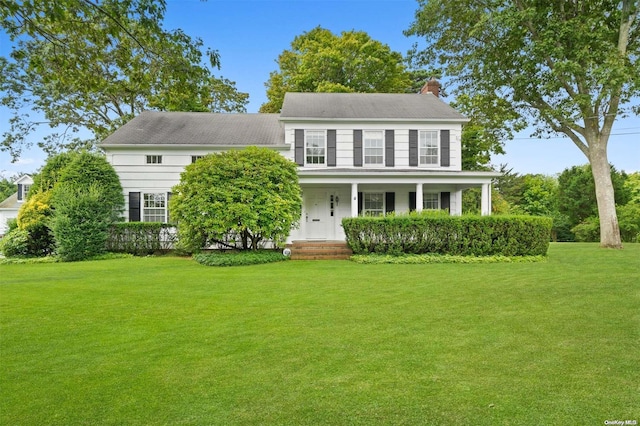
[
  {"x": 239, "y": 258},
  {"x": 81, "y": 222},
  {"x": 34, "y": 217},
  {"x": 588, "y": 231},
  {"x": 15, "y": 243},
  {"x": 451, "y": 235},
  {"x": 141, "y": 238}
]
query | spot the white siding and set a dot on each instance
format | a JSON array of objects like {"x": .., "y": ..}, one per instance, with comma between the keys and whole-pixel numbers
[{"x": 344, "y": 139}]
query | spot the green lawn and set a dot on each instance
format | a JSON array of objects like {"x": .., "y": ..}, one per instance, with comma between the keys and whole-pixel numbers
[{"x": 149, "y": 341}]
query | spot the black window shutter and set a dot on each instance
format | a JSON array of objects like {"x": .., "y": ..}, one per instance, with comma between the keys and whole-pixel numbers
[
  {"x": 445, "y": 151},
  {"x": 412, "y": 201},
  {"x": 445, "y": 201},
  {"x": 360, "y": 203},
  {"x": 357, "y": 148},
  {"x": 331, "y": 148},
  {"x": 134, "y": 207},
  {"x": 167, "y": 206},
  {"x": 389, "y": 202},
  {"x": 20, "y": 195},
  {"x": 413, "y": 148},
  {"x": 389, "y": 154},
  {"x": 299, "y": 146}
]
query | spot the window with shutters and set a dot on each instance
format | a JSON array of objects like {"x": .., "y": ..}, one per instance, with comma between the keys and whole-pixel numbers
[
  {"x": 154, "y": 207},
  {"x": 315, "y": 147},
  {"x": 428, "y": 148},
  {"x": 373, "y": 148},
  {"x": 373, "y": 204}
]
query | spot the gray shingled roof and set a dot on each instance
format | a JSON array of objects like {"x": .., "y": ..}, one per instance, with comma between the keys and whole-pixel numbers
[
  {"x": 367, "y": 106},
  {"x": 10, "y": 202},
  {"x": 199, "y": 128}
]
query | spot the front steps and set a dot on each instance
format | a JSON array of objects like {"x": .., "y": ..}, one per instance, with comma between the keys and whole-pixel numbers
[{"x": 319, "y": 250}]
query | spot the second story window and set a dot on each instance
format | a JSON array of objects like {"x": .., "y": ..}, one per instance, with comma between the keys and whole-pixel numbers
[
  {"x": 315, "y": 147},
  {"x": 154, "y": 159},
  {"x": 428, "y": 148},
  {"x": 373, "y": 148}
]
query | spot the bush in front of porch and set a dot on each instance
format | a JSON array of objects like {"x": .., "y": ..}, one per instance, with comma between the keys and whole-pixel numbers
[{"x": 417, "y": 233}]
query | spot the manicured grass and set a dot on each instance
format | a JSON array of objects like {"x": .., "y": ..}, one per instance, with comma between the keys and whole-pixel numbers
[{"x": 151, "y": 341}]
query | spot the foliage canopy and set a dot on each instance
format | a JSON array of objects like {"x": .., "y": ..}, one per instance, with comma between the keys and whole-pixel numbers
[
  {"x": 237, "y": 199},
  {"x": 320, "y": 61},
  {"x": 88, "y": 65},
  {"x": 563, "y": 67}
]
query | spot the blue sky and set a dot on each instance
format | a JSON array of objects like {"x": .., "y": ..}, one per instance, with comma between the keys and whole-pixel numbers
[{"x": 250, "y": 34}]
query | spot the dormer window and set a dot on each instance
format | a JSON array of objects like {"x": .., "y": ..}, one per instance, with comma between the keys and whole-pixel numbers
[{"x": 23, "y": 190}]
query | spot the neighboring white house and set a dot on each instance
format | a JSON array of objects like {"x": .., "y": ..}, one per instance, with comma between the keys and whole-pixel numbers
[
  {"x": 357, "y": 154},
  {"x": 9, "y": 207}
]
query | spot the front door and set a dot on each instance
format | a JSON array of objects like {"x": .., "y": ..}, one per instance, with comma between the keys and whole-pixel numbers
[{"x": 317, "y": 218}]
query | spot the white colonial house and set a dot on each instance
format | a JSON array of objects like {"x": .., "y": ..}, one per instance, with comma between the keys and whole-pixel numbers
[
  {"x": 357, "y": 154},
  {"x": 9, "y": 208}
]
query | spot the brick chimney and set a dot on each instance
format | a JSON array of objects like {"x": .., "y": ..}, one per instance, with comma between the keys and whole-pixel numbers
[{"x": 431, "y": 86}]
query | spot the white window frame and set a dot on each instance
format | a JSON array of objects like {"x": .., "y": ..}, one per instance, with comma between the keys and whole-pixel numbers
[
  {"x": 152, "y": 211},
  {"x": 426, "y": 147},
  {"x": 373, "y": 156},
  {"x": 195, "y": 158},
  {"x": 367, "y": 209},
  {"x": 320, "y": 151},
  {"x": 154, "y": 159},
  {"x": 431, "y": 201}
]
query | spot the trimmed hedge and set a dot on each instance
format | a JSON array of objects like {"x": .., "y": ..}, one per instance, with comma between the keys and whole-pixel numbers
[
  {"x": 449, "y": 235},
  {"x": 239, "y": 258},
  {"x": 141, "y": 238}
]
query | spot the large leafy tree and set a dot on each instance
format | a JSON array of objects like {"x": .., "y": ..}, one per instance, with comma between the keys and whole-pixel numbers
[
  {"x": 95, "y": 65},
  {"x": 237, "y": 199},
  {"x": 577, "y": 193},
  {"x": 320, "y": 61},
  {"x": 564, "y": 67}
]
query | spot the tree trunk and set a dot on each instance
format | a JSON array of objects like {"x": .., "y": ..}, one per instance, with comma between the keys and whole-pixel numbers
[{"x": 609, "y": 229}]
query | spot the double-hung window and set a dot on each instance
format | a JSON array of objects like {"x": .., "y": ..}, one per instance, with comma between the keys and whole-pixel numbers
[
  {"x": 315, "y": 147},
  {"x": 373, "y": 148},
  {"x": 373, "y": 204},
  {"x": 154, "y": 207},
  {"x": 431, "y": 201},
  {"x": 428, "y": 148}
]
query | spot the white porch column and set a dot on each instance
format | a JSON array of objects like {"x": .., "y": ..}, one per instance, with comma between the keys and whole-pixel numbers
[
  {"x": 485, "y": 201},
  {"x": 354, "y": 200},
  {"x": 419, "y": 197}
]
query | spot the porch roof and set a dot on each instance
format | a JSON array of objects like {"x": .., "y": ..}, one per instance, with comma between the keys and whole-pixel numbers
[{"x": 393, "y": 176}]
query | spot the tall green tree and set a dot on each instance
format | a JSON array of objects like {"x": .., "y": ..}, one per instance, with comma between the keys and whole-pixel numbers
[
  {"x": 84, "y": 64},
  {"x": 564, "y": 67},
  {"x": 320, "y": 61}
]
